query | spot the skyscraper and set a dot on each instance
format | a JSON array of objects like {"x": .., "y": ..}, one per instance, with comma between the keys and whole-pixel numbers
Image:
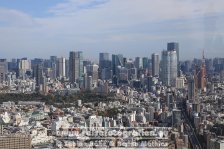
[
  {"x": 145, "y": 62},
  {"x": 117, "y": 60},
  {"x": 169, "y": 67},
  {"x": 61, "y": 67},
  {"x": 191, "y": 88},
  {"x": 174, "y": 46},
  {"x": 39, "y": 74},
  {"x": 3, "y": 70},
  {"x": 104, "y": 60},
  {"x": 92, "y": 70},
  {"x": 155, "y": 64},
  {"x": 24, "y": 65},
  {"x": 54, "y": 66},
  {"x": 138, "y": 63},
  {"x": 104, "y": 66},
  {"x": 75, "y": 65}
]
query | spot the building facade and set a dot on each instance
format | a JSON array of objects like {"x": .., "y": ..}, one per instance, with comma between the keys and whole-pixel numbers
[
  {"x": 155, "y": 64},
  {"x": 75, "y": 65},
  {"x": 61, "y": 67},
  {"x": 169, "y": 68}
]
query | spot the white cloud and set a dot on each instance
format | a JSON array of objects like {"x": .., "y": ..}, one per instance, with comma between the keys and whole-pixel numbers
[
  {"x": 11, "y": 17},
  {"x": 109, "y": 23}
]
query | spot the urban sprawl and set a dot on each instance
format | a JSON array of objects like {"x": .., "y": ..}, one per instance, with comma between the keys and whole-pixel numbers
[{"x": 158, "y": 102}]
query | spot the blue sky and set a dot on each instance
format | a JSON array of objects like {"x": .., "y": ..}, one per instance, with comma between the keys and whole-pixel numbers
[{"x": 42, "y": 28}]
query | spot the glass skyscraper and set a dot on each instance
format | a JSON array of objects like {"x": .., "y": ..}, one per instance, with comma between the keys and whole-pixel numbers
[
  {"x": 169, "y": 67},
  {"x": 75, "y": 65},
  {"x": 174, "y": 46},
  {"x": 117, "y": 60}
]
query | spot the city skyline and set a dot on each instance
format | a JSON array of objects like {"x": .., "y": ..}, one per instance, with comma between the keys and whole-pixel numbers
[{"x": 44, "y": 28}]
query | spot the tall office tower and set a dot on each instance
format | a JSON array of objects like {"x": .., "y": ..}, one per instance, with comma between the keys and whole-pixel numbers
[
  {"x": 138, "y": 63},
  {"x": 67, "y": 68},
  {"x": 61, "y": 67},
  {"x": 12, "y": 66},
  {"x": 3, "y": 70},
  {"x": 155, "y": 64},
  {"x": 174, "y": 46},
  {"x": 169, "y": 67},
  {"x": 54, "y": 66},
  {"x": 39, "y": 74},
  {"x": 104, "y": 60},
  {"x": 117, "y": 60},
  {"x": 145, "y": 63},
  {"x": 89, "y": 83},
  {"x": 191, "y": 88},
  {"x": 36, "y": 61},
  {"x": 24, "y": 65},
  {"x": 104, "y": 66},
  {"x": 92, "y": 70},
  {"x": 75, "y": 66},
  {"x": 47, "y": 63}
]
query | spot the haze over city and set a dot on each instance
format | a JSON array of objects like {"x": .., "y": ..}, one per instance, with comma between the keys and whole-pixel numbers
[{"x": 130, "y": 27}]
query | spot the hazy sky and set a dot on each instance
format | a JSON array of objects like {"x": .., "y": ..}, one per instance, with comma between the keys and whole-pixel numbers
[{"x": 40, "y": 28}]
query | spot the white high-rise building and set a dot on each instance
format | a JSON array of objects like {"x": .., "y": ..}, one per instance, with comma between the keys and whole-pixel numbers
[
  {"x": 138, "y": 63},
  {"x": 24, "y": 65},
  {"x": 92, "y": 70},
  {"x": 61, "y": 67},
  {"x": 169, "y": 67},
  {"x": 155, "y": 64}
]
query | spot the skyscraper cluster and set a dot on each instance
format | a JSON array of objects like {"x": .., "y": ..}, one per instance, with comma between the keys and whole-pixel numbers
[{"x": 115, "y": 69}]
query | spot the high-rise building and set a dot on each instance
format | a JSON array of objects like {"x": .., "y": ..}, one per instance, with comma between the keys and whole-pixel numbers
[
  {"x": 174, "y": 46},
  {"x": 191, "y": 88},
  {"x": 117, "y": 60},
  {"x": 3, "y": 70},
  {"x": 138, "y": 63},
  {"x": 104, "y": 66},
  {"x": 61, "y": 67},
  {"x": 54, "y": 66},
  {"x": 12, "y": 66},
  {"x": 67, "y": 68},
  {"x": 39, "y": 74},
  {"x": 169, "y": 67},
  {"x": 155, "y": 64},
  {"x": 104, "y": 60},
  {"x": 36, "y": 61},
  {"x": 75, "y": 65},
  {"x": 122, "y": 74},
  {"x": 145, "y": 63},
  {"x": 92, "y": 70},
  {"x": 24, "y": 65}
]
